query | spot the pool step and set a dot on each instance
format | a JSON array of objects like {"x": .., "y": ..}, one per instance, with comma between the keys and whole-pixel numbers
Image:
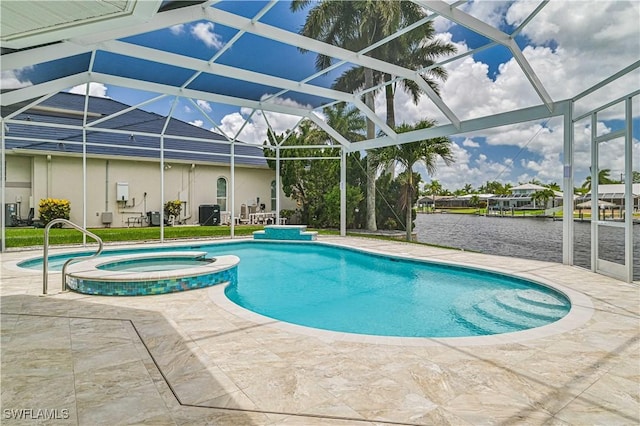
[
  {"x": 490, "y": 309},
  {"x": 285, "y": 232},
  {"x": 499, "y": 312},
  {"x": 512, "y": 302},
  {"x": 541, "y": 299}
]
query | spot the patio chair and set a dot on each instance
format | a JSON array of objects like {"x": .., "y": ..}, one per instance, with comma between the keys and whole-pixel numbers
[
  {"x": 244, "y": 216},
  {"x": 252, "y": 213}
]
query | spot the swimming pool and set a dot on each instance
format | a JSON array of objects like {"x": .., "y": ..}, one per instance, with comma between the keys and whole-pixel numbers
[{"x": 332, "y": 288}]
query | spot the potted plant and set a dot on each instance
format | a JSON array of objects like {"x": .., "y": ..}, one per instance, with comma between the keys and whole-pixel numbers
[{"x": 172, "y": 208}]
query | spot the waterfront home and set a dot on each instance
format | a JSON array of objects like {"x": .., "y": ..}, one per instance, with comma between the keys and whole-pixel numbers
[
  {"x": 521, "y": 198},
  {"x": 614, "y": 193},
  {"x": 130, "y": 167}
]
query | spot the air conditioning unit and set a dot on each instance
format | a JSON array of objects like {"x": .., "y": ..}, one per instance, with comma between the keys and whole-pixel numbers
[{"x": 107, "y": 218}]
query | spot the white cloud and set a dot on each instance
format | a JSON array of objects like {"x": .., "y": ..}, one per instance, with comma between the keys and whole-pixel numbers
[
  {"x": 467, "y": 169},
  {"x": 255, "y": 131},
  {"x": 206, "y": 106},
  {"x": 203, "y": 31},
  {"x": 575, "y": 45},
  {"x": 11, "y": 80},
  {"x": 197, "y": 123},
  {"x": 469, "y": 143},
  {"x": 177, "y": 29},
  {"x": 491, "y": 12},
  {"x": 592, "y": 43},
  {"x": 441, "y": 24},
  {"x": 98, "y": 90}
]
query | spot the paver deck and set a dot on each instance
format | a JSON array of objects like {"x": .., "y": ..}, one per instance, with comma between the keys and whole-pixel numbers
[{"x": 192, "y": 358}]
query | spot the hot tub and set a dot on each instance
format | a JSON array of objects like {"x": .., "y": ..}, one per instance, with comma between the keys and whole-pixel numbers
[{"x": 151, "y": 273}]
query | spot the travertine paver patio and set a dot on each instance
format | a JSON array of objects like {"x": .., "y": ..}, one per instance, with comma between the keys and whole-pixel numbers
[{"x": 192, "y": 358}]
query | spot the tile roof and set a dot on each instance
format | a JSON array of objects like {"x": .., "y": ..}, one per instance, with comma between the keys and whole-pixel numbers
[{"x": 124, "y": 137}]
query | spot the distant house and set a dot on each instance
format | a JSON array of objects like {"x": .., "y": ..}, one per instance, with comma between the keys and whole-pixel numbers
[
  {"x": 520, "y": 198},
  {"x": 614, "y": 193},
  {"x": 44, "y": 152},
  {"x": 452, "y": 202}
]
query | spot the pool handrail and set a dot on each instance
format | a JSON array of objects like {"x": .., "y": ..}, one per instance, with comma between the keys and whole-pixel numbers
[{"x": 45, "y": 255}]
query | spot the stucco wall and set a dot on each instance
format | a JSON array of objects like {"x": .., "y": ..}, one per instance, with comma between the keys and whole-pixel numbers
[
  {"x": 18, "y": 183},
  {"x": 193, "y": 184}
]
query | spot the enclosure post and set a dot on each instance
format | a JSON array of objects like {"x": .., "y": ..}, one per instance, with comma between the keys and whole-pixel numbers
[
  {"x": 84, "y": 155},
  {"x": 232, "y": 179},
  {"x": 628, "y": 190},
  {"x": 567, "y": 219},
  {"x": 162, "y": 188},
  {"x": 3, "y": 236},
  {"x": 343, "y": 191},
  {"x": 594, "y": 192},
  {"x": 277, "y": 183},
  {"x": 84, "y": 180}
]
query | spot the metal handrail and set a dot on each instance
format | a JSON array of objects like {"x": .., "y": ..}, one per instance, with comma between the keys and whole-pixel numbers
[{"x": 45, "y": 260}]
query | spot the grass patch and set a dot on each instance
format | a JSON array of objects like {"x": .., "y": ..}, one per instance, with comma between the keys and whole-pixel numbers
[
  {"x": 29, "y": 237},
  {"x": 26, "y": 237}
]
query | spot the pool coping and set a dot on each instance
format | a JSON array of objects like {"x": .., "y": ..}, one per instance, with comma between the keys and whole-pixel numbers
[{"x": 89, "y": 269}]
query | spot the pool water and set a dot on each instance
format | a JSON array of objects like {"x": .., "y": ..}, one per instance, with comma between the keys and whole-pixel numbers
[
  {"x": 154, "y": 264},
  {"x": 345, "y": 290}
]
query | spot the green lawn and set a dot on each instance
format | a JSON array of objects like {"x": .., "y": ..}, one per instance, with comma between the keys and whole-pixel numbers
[
  {"x": 25, "y": 237},
  {"x": 29, "y": 237}
]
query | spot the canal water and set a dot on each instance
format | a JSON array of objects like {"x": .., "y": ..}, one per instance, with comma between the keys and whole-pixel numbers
[{"x": 528, "y": 238}]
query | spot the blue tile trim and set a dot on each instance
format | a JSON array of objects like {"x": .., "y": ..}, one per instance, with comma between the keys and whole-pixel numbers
[
  {"x": 144, "y": 288},
  {"x": 291, "y": 233}
]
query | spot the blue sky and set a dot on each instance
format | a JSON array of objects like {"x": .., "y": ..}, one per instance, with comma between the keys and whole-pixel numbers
[{"x": 570, "y": 45}]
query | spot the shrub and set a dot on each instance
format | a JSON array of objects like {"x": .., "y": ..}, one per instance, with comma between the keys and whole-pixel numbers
[
  {"x": 172, "y": 208},
  {"x": 286, "y": 213},
  {"x": 390, "y": 223},
  {"x": 53, "y": 208}
]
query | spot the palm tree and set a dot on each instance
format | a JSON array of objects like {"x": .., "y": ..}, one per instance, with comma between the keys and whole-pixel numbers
[
  {"x": 543, "y": 196},
  {"x": 413, "y": 50},
  {"x": 349, "y": 122},
  {"x": 553, "y": 186},
  {"x": 355, "y": 25},
  {"x": 603, "y": 179},
  {"x": 474, "y": 201},
  {"x": 468, "y": 188},
  {"x": 424, "y": 151},
  {"x": 433, "y": 188},
  {"x": 351, "y": 25}
]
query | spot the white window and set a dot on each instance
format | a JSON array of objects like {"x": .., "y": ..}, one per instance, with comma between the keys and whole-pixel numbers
[{"x": 221, "y": 195}]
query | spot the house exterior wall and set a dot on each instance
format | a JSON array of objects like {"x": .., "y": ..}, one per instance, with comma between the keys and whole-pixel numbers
[
  {"x": 18, "y": 184},
  {"x": 42, "y": 176}
]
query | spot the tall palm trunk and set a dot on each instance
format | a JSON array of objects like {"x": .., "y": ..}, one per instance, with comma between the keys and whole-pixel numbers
[
  {"x": 389, "y": 97},
  {"x": 408, "y": 222},
  {"x": 372, "y": 165},
  {"x": 391, "y": 117}
]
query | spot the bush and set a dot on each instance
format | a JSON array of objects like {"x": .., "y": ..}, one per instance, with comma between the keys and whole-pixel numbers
[
  {"x": 390, "y": 224},
  {"x": 53, "y": 208},
  {"x": 172, "y": 208},
  {"x": 286, "y": 213}
]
